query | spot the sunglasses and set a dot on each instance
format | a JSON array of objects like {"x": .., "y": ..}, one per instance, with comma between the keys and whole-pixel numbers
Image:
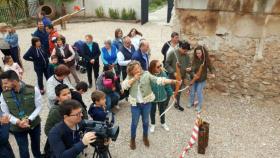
[
  {"x": 77, "y": 114},
  {"x": 159, "y": 66}
]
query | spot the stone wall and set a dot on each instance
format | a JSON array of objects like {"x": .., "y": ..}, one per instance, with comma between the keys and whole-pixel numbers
[{"x": 244, "y": 43}]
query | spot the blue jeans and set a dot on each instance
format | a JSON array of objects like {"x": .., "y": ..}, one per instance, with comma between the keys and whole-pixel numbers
[
  {"x": 22, "y": 141},
  {"x": 197, "y": 87},
  {"x": 112, "y": 99},
  {"x": 5, "y": 147},
  {"x": 143, "y": 110}
]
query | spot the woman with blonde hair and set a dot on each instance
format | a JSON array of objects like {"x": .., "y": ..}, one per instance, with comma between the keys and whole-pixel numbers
[
  {"x": 140, "y": 97},
  {"x": 12, "y": 40}
]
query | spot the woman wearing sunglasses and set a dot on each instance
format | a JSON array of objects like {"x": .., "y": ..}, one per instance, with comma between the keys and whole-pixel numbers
[{"x": 162, "y": 95}]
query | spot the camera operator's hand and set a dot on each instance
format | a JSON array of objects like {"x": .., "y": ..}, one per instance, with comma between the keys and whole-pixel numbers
[
  {"x": 88, "y": 138},
  {"x": 107, "y": 142}
]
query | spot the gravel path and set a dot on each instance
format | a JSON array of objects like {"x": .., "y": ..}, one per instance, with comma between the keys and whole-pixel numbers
[{"x": 238, "y": 127}]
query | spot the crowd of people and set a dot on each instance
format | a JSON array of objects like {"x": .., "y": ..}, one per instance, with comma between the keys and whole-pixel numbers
[{"x": 127, "y": 73}]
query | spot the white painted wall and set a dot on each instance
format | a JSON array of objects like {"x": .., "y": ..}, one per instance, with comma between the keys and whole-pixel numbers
[
  {"x": 202, "y": 4},
  {"x": 91, "y": 5}
]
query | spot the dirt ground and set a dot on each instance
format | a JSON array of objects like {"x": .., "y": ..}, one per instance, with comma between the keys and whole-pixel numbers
[{"x": 239, "y": 127}]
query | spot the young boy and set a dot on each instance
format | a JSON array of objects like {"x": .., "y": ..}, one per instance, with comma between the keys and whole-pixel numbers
[
  {"x": 63, "y": 93},
  {"x": 53, "y": 64},
  {"x": 97, "y": 108},
  {"x": 81, "y": 88}
]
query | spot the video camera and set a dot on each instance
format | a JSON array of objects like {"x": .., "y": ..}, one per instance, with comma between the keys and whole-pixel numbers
[{"x": 103, "y": 130}]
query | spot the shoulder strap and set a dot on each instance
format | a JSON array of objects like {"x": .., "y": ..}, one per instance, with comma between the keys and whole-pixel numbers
[{"x": 176, "y": 56}]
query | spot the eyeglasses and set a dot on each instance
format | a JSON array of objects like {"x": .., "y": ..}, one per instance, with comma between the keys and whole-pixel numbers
[
  {"x": 159, "y": 66},
  {"x": 77, "y": 114}
]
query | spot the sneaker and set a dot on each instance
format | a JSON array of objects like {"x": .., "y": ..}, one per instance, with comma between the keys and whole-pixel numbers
[
  {"x": 152, "y": 128},
  {"x": 165, "y": 127},
  {"x": 198, "y": 110},
  {"x": 189, "y": 105},
  {"x": 117, "y": 107},
  {"x": 179, "y": 107}
]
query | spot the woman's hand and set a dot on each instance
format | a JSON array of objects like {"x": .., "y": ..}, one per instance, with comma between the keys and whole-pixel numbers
[
  {"x": 66, "y": 60},
  {"x": 188, "y": 69},
  {"x": 114, "y": 89},
  {"x": 137, "y": 76},
  {"x": 177, "y": 82}
]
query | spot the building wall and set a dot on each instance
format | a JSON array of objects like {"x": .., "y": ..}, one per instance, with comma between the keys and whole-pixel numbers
[
  {"x": 91, "y": 5},
  {"x": 243, "y": 37}
]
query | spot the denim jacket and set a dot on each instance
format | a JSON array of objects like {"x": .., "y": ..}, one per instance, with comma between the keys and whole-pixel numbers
[
  {"x": 12, "y": 39},
  {"x": 161, "y": 92},
  {"x": 144, "y": 83}
]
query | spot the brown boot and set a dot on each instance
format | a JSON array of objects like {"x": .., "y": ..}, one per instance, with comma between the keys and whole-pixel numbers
[
  {"x": 146, "y": 141},
  {"x": 132, "y": 144}
]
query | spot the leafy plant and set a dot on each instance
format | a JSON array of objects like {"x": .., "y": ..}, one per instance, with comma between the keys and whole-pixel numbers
[
  {"x": 131, "y": 14},
  {"x": 128, "y": 14},
  {"x": 158, "y": 2},
  {"x": 100, "y": 12},
  {"x": 114, "y": 13},
  {"x": 124, "y": 15}
]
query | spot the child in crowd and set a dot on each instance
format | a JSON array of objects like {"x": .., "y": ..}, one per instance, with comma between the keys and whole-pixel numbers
[
  {"x": 62, "y": 93},
  {"x": 53, "y": 64},
  {"x": 9, "y": 64},
  {"x": 81, "y": 88},
  {"x": 97, "y": 109},
  {"x": 109, "y": 83}
]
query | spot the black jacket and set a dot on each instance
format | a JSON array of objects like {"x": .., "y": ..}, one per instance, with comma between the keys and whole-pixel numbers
[
  {"x": 78, "y": 97},
  {"x": 38, "y": 56},
  {"x": 88, "y": 55},
  {"x": 64, "y": 142}
]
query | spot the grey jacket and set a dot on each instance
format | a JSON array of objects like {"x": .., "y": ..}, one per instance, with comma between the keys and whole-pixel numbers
[{"x": 51, "y": 84}]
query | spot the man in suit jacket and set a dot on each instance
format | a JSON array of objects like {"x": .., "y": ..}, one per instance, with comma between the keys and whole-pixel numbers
[
  {"x": 141, "y": 55},
  {"x": 91, "y": 55}
]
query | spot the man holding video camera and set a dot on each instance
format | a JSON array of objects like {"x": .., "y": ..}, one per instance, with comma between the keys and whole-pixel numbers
[{"x": 64, "y": 137}]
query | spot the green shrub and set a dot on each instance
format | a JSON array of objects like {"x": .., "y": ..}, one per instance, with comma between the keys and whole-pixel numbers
[
  {"x": 131, "y": 14},
  {"x": 124, "y": 15},
  {"x": 100, "y": 12},
  {"x": 158, "y": 2},
  {"x": 114, "y": 13}
]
